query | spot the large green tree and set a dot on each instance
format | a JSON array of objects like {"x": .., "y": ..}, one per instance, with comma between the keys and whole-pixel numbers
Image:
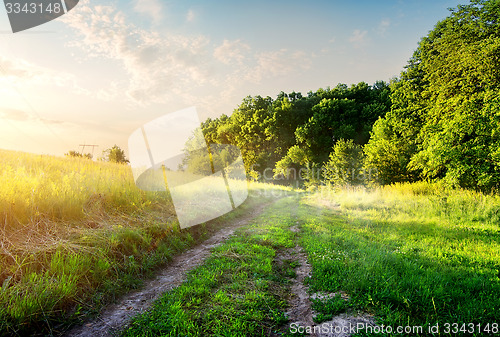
[
  {"x": 115, "y": 155},
  {"x": 293, "y": 131},
  {"x": 338, "y": 113},
  {"x": 345, "y": 163},
  {"x": 444, "y": 121}
]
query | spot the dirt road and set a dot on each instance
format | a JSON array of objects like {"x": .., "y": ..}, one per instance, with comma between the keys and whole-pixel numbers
[{"x": 116, "y": 316}]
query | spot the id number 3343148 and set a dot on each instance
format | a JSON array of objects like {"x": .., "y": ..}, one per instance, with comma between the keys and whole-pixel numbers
[{"x": 33, "y": 7}]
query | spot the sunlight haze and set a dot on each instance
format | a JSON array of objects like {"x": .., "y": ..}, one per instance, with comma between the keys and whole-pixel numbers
[{"x": 107, "y": 67}]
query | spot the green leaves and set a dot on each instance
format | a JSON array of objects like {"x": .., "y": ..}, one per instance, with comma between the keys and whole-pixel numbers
[
  {"x": 294, "y": 131},
  {"x": 345, "y": 164},
  {"x": 387, "y": 153},
  {"x": 443, "y": 115},
  {"x": 115, "y": 155}
]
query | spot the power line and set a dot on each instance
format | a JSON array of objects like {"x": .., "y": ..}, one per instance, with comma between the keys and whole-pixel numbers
[{"x": 88, "y": 145}]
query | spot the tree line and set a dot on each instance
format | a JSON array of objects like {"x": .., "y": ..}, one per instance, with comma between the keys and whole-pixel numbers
[
  {"x": 439, "y": 120},
  {"x": 295, "y": 130},
  {"x": 444, "y": 122}
]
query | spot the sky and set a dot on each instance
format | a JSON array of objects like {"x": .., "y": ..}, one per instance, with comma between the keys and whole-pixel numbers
[{"x": 104, "y": 69}]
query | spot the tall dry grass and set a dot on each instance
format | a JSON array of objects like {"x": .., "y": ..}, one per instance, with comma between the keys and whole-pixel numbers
[
  {"x": 70, "y": 229},
  {"x": 74, "y": 234}
]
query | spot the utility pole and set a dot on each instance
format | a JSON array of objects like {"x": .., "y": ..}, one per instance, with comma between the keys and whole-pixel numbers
[{"x": 88, "y": 145}]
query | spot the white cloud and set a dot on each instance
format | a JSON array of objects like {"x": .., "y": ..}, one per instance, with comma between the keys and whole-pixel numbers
[
  {"x": 23, "y": 116},
  {"x": 358, "y": 37},
  {"x": 156, "y": 65},
  {"x": 14, "y": 114},
  {"x": 383, "y": 26},
  {"x": 231, "y": 51},
  {"x": 190, "y": 16},
  {"x": 20, "y": 73},
  {"x": 279, "y": 63},
  {"x": 151, "y": 8},
  {"x": 162, "y": 67}
]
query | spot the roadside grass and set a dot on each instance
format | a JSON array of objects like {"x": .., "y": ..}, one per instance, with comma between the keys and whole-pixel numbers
[
  {"x": 240, "y": 290},
  {"x": 76, "y": 234},
  {"x": 413, "y": 255}
]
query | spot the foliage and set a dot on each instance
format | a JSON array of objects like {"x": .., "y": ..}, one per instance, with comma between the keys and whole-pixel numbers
[
  {"x": 345, "y": 164},
  {"x": 287, "y": 133},
  {"x": 387, "y": 154},
  {"x": 295, "y": 159},
  {"x": 201, "y": 160},
  {"x": 312, "y": 174},
  {"x": 77, "y": 154},
  {"x": 115, "y": 155},
  {"x": 444, "y": 119},
  {"x": 246, "y": 129}
]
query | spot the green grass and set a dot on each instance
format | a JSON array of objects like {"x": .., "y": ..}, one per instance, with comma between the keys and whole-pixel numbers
[
  {"x": 396, "y": 251},
  {"x": 327, "y": 308},
  {"x": 52, "y": 288},
  {"x": 36, "y": 188},
  {"x": 240, "y": 290},
  {"x": 62, "y": 284},
  {"x": 76, "y": 234},
  {"x": 73, "y": 235},
  {"x": 409, "y": 256}
]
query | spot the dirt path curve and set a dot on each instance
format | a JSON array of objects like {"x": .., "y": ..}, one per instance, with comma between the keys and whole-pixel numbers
[{"x": 116, "y": 316}]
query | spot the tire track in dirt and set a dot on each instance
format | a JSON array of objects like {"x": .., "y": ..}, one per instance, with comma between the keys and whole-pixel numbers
[
  {"x": 300, "y": 312},
  {"x": 116, "y": 316}
]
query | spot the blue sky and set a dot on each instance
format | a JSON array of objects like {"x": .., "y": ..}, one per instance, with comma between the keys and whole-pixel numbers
[{"x": 104, "y": 69}]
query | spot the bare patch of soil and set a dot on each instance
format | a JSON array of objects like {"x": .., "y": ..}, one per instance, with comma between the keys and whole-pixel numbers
[
  {"x": 115, "y": 317},
  {"x": 300, "y": 312},
  {"x": 327, "y": 296}
]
